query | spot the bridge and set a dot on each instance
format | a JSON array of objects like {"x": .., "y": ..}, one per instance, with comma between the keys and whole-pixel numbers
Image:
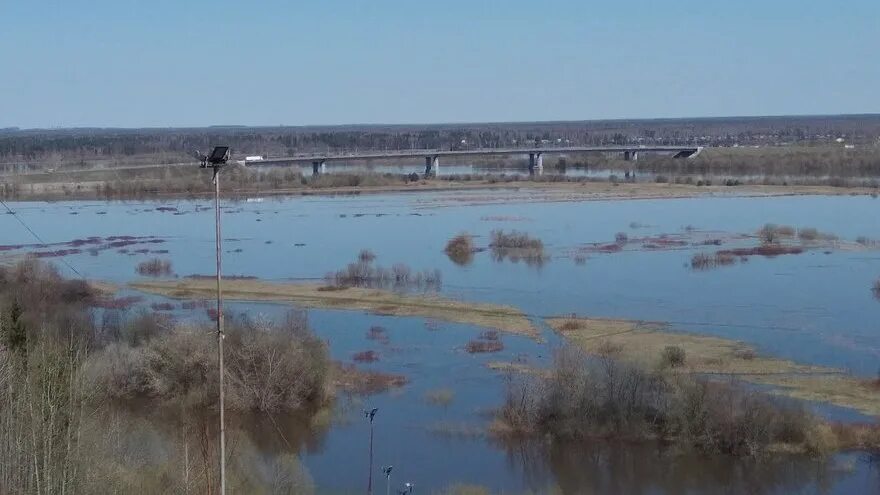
[{"x": 432, "y": 157}]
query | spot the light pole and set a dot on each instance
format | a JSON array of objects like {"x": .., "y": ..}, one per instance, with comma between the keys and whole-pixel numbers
[
  {"x": 370, "y": 415},
  {"x": 387, "y": 472},
  {"x": 216, "y": 161}
]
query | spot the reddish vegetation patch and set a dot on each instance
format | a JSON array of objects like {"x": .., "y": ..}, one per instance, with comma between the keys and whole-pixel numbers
[
  {"x": 83, "y": 242},
  {"x": 604, "y": 248},
  {"x": 365, "y": 357},
  {"x": 763, "y": 250},
  {"x": 164, "y": 306},
  {"x": 55, "y": 254},
  {"x": 482, "y": 346},
  {"x": 117, "y": 303},
  {"x": 119, "y": 244},
  {"x": 363, "y": 382},
  {"x": 11, "y": 247},
  {"x": 663, "y": 242}
]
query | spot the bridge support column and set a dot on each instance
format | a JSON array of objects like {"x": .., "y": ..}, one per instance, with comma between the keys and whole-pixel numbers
[
  {"x": 432, "y": 166},
  {"x": 536, "y": 163},
  {"x": 319, "y": 167}
]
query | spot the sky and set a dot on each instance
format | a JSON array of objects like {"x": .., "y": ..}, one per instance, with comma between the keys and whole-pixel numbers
[{"x": 171, "y": 63}]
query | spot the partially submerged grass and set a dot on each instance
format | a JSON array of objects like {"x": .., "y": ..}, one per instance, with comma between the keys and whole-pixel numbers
[
  {"x": 355, "y": 381},
  {"x": 440, "y": 397},
  {"x": 705, "y": 261},
  {"x": 154, "y": 268},
  {"x": 643, "y": 344},
  {"x": 363, "y": 273},
  {"x": 517, "y": 246},
  {"x": 504, "y": 318},
  {"x": 489, "y": 341}
]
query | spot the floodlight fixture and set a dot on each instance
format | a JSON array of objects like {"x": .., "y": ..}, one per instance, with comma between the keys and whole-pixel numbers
[
  {"x": 386, "y": 470},
  {"x": 219, "y": 156},
  {"x": 370, "y": 414}
]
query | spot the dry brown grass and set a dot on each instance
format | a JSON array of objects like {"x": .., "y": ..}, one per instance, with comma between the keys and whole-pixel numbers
[{"x": 504, "y": 318}]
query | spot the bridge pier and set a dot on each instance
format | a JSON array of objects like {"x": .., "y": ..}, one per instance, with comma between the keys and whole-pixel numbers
[
  {"x": 631, "y": 156},
  {"x": 319, "y": 167},
  {"x": 536, "y": 163},
  {"x": 432, "y": 166}
]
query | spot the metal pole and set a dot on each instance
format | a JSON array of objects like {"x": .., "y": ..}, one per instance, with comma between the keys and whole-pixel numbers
[
  {"x": 220, "y": 335},
  {"x": 370, "y": 478}
]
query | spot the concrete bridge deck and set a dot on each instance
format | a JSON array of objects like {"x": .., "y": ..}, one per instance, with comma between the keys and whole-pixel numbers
[{"x": 432, "y": 156}]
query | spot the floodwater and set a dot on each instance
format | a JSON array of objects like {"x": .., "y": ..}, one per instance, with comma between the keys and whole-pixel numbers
[{"x": 816, "y": 307}]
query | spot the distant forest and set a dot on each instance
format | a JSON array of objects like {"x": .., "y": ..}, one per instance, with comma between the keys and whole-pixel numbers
[{"x": 94, "y": 146}]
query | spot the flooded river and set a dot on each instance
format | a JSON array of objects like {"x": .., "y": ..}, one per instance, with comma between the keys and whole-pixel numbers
[{"x": 816, "y": 307}]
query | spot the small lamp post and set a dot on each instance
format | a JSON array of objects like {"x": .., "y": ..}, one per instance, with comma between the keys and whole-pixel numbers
[
  {"x": 370, "y": 414},
  {"x": 386, "y": 470}
]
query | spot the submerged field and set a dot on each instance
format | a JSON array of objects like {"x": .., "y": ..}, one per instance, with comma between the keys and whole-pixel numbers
[{"x": 793, "y": 315}]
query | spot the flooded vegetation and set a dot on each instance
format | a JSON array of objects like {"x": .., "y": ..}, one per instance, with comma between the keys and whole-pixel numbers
[
  {"x": 581, "y": 399},
  {"x": 155, "y": 268},
  {"x": 460, "y": 249},
  {"x": 517, "y": 246},
  {"x": 664, "y": 365},
  {"x": 365, "y": 273}
]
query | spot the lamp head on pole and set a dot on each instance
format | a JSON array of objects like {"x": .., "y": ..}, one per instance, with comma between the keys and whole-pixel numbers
[
  {"x": 371, "y": 413},
  {"x": 218, "y": 157}
]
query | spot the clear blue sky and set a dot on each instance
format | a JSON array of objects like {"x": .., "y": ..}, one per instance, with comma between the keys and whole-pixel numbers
[{"x": 164, "y": 63}]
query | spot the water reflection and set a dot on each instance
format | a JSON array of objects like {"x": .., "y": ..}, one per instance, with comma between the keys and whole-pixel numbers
[{"x": 604, "y": 467}]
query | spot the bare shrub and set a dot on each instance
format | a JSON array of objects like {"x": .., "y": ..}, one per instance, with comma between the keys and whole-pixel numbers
[
  {"x": 516, "y": 247},
  {"x": 366, "y": 256},
  {"x": 771, "y": 233},
  {"x": 672, "y": 356},
  {"x": 460, "y": 249},
  {"x": 400, "y": 277},
  {"x": 514, "y": 240},
  {"x": 583, "y": 397},
  {"x": 154, "y": 268},
  {"x": 621, "y": 238},
  {"x": 270, "y": 366}
]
